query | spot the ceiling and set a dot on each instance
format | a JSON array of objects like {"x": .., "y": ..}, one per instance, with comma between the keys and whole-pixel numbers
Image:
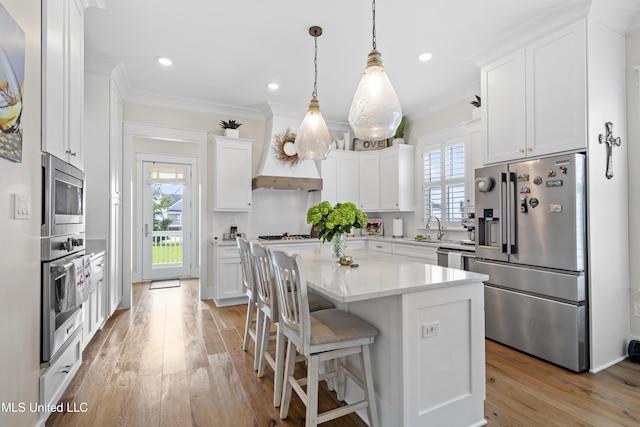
[{"x": 225, "y": 53}]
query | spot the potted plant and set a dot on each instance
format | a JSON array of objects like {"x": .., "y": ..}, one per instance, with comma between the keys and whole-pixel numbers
[
  {"x": 475, "y": 114},
  {"x": 231, "y": 128},
  {"x": 332, "y": 223},
  {"x": 399, "y": 136}
]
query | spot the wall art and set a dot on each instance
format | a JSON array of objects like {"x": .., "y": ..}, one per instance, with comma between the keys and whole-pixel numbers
[{"x": 12, "y": 53}]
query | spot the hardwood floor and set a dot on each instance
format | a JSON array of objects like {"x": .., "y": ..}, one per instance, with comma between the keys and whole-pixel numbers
[{"x": 173, "y": 360}]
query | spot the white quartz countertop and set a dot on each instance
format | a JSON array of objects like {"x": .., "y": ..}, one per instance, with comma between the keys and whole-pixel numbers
[
  {"x": 407, "y": 241},
  {"x": 377, "y": 275}
]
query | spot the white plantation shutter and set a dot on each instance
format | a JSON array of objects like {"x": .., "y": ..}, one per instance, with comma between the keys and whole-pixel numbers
[
  {"x": 454, "y": 181},
  {"x": 444, "y": 182}
]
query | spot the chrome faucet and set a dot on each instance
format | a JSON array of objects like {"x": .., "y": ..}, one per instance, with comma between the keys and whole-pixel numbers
[{"x": 440, "y": 230}]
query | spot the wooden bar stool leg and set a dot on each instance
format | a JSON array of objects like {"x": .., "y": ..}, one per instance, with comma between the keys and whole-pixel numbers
[
  {"x": 247, "y": 325},
  {"x": 341, "y": 377},
  {"x": 313, "y": 370},
  {"x": 264, "y": 345},
  {"x": 286, "y": 385},
  {"x": 258, "y": 341},
  {"x": 369, "y": 393},
  {"x": 279, "y": 371}
]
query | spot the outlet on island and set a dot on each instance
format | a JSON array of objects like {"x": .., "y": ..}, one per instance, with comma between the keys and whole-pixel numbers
[{"x": 430, "y": 329}]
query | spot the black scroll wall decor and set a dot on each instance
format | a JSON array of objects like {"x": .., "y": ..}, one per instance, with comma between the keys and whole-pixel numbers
[{"x": 610, "y": 141}]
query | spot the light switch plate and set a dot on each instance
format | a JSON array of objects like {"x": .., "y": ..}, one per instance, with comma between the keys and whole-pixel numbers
[{"x": 21, "y": 206}]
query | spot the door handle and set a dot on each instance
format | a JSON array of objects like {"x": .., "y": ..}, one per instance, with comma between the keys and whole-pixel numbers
[
  {"x": 512, "y": 237},
  {"x": 504, "y": 214},
  {"x": 146, "y": 230}
]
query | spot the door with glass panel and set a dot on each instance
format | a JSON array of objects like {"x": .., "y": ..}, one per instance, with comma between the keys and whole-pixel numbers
[{"x": 166, "y": 211}]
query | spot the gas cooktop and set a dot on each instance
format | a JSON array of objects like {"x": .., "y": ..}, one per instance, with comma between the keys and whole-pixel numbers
[{"x": 285, "y": 236}]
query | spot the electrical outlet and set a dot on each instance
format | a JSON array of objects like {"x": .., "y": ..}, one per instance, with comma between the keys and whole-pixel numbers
[
  {"x": 430, "y": 329},
  {"x": 636, "y": 309}
]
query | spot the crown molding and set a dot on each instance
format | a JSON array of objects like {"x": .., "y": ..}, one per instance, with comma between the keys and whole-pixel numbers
[{"x": 466, "y": 92}]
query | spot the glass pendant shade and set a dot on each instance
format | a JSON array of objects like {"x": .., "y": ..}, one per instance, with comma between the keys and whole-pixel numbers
[
  {"x": 375, "y": 110},
  {"x": 313, "y": 141}
]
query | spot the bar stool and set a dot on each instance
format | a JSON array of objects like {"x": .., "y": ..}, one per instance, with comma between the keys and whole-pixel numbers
[
  {"x": 268, "y": 304},
  {"x": 320, "y": 336},
  {"x": 249, "y": 288}
]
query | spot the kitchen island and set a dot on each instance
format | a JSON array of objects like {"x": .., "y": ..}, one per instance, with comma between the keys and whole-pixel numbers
[{"x": 428, "y": 359}]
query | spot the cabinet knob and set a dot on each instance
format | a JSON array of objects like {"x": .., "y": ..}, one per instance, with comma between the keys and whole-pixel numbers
[
  {"x": 72, "y": 153},
  {"x": 529, "y": 149},
  {"x": 521, "y": 150}
]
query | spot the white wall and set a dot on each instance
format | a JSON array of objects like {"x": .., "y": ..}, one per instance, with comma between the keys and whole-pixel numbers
[
  {"x": 20, "y": 253},
  {"x": 633, "y": 136}
]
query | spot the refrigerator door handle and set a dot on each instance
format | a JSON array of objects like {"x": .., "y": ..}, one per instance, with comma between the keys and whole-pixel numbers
[
  {"x": 512, "y": 213},
  {"x": 504, "y": 197}
]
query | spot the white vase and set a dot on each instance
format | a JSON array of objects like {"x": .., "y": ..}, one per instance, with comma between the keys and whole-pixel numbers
[{"x": 232, "y": 133}]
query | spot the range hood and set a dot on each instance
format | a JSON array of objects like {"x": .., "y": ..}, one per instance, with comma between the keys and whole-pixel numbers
[{"x": 275, "y": 174}]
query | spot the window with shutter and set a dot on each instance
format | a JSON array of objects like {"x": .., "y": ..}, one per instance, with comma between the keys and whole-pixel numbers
[{"x": 443, "y": 165}]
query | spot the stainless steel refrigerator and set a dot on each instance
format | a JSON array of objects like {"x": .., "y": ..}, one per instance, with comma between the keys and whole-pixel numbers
[{"x": 531, "y": 241}]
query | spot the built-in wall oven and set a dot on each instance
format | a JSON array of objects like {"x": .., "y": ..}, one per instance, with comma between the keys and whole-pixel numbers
[
  {"x": 62, "y": 197},
  {"x": 62, "y": 254}
]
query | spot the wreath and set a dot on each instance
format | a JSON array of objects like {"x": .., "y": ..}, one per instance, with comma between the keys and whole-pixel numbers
[{"x": 285, "y": 148}]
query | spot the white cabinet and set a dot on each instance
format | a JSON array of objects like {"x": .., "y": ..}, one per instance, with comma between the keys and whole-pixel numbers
[
  {"x": 55, "y": 379},
  {"x": 114, "y": 253},
  {"x": 426, "y": 253},
  {"x": 228, "y": 276},
  {"x": 370, "y": 181},
  {"x": 63, "y": 80},
  {"x": 397, "y": 178},
  {"x": 231, "y": 174},
  {"x": 534, "y": 100},
  {"x": 103, "y": 159},
  {"x": 387, "y": 179},
  {"x": 341, "y": 177},
  {"x": 115, "y": 140},
  {"x": 94, "y": 308}
]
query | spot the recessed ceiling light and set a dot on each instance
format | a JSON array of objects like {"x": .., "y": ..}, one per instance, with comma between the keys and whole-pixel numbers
[
  {"x": 424, "y": 57},
  {"x": 273, "y": 86},
  {"x": 165, "y": 61}
]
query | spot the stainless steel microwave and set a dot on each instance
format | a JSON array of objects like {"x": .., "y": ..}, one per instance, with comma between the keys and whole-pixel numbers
[{"x": 63, "y": 196}]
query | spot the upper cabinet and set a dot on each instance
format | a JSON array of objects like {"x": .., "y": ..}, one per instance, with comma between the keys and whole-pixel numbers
[
  {"x": 63, "y": 79},
  {"x": 340, "y": 177},
  {"x": 231, "y": 174},
  {"x": 387, "y": 179},
  {"x": 397, "y": 178},
  {"x": 115, "y": 140},
  {"x": 534, "y": 99},
  {"x": 369, "y": 181}
]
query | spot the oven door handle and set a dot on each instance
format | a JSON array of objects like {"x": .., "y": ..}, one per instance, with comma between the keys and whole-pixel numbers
[{"x": 62, "y": 268}]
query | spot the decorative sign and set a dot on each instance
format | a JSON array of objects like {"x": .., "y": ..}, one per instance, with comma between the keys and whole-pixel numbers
[
  {"x": 12, "y": 53},
  {"x": 361, "y": 145}
]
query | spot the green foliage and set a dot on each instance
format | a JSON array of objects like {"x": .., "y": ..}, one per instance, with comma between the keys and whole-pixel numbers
[
  {"x": 400, "y": 130},
  {"x": 161, "y": 202},
  {"x": 329, "y": 221},
  {"x": 231, "y": 124}
]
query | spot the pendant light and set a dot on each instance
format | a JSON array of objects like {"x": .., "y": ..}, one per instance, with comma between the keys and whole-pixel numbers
[
  {"x": 313, "y": 141},
  {"x": 375, "y": 110}
]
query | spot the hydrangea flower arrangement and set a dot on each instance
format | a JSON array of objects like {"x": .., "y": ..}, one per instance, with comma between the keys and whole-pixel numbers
[{"x": 333, "y": 220}]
